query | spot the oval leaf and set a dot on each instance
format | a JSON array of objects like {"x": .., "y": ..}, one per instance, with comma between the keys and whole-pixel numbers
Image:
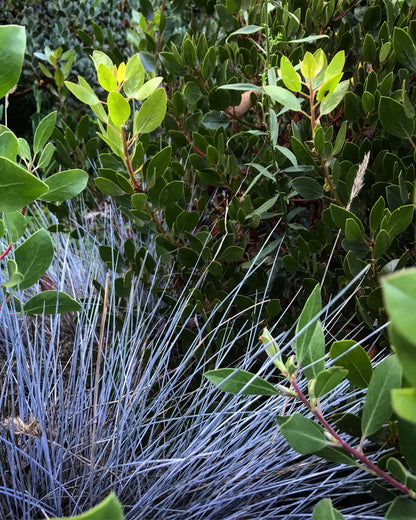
[
  {"x": 65, "y": 185},
  {"x": 351, "y": 356},
  {"x": 240, "y": 381},
  {"x": 33, "y": 257}
]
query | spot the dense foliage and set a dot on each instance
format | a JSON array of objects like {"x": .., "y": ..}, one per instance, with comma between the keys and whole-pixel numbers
[{"x": 260, "y": 150}]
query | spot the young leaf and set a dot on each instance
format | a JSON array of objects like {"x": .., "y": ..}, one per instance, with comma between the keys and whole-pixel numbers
[
  {"x": 43, "y": 132},
  {"x": 15, "y": 277},
  {"x": 310, "y": 345},
  {"x": 328, "y": 379},
  {"x": 109, "y": 509},
  {"x": 355, "y": 360},
  {"x": 325, "y": 511},
  {"x": 234, "y": 381},
  {"x": 335, "y": 66},
  {"x": 147, "y": 89},
  {"x": 82, "y": 93},
  {"x": 65, "y": 185},
  {"x": 100, "y": 57},
  {"x": 106, "y": 78},
  {"x": 329, "y": 103},
  {"x": 289, "y": 75},
  {"x": 33, "y": 257},
  {"x": 303, "y": 434},
  {"x": 118, "y": 108},
  {"x": 328, "y": 87},
  {"x": 151, "y": 113},
  {"x": 51, "y": 302},
  {"x": 308, "y": 66},
  {"x": 134, "y": 76},
  {"x": 377, "y": 408}
]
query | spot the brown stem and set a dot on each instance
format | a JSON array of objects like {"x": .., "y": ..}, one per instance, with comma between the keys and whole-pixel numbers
[
  {"x": 135, "y": 185},
  {"x": 360, "y": 456}
]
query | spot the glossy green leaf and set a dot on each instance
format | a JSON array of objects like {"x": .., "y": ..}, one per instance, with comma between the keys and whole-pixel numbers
[
  {"x": 401, "y": 509},
  {"x": 151, "y": 113},
  {"x": 310, "y": 345},
  {"x": 394, "y": 119},
  {"x": 65, "y": 185},
  {"x": 118, "y": 108},
  {"x": 148, "y": 88},
  {"x": 325, "y": 511},
  {"x": 106, "y": 78},
  {"x": 33, "y": 257},
  {"x": 308, "y": 66},
  {"x": 303, "y": 434},
  {"x": 18, "y": 187},
  {"x": 51, "y": 302},
  {"x": 353, "y": 231},
  {"x": 290, "y": 77},
  {"x": 44, "y": 131},
  {"x": 335, "y": 66},
  {"x": 329, "y": 103},
  {"x": 236, "y": 381},
  {"x": 328, "y": 87},
  {"x": 284, "y": 97},
  {"x": 404, "y": 403},
  {"x": 307, "y": 187},
  {"x": 404, "y": 48},
  {"x": 351, "y": 356},
  {"x": 377, "y": 408},
  {"x": 12, "y": 51},
  {"x": 328, "y": 379}
]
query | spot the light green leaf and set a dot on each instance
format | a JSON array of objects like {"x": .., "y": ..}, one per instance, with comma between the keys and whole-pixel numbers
[
  {"x": 234, "y": 381},
  {"x": 328, "y": 379},
  {"x": 335, "y": 66},
  {"x": 33, "y": 257},
  {"x": 401, "y": 509},
  {"x": 404, "y": 403},
  {"x": 284, "y": 97},
  {"x": 377, "y": 408},
  {"x": 242, "y": 87},
  {"x": 328, "y": 104},
  {"x": 106, "y": 78},
  {"x": 328, "y": 87},
  {"x": 134, "y": 76},
  {"x": 43, "y": 132},
  {"x": 14, "y": 276},
  {"x": 82, "y": 93},
  {"x": 15, "y": 223},
  {"x": 247, "y": 29},
  {"x": 12, "y": 51},
  {"x": 24, "y": 149},
  {"x": 100, "y": 57},
  {"x": 148, "y": 88},
  {"x": 118, "y": 108},
  {"x": 65, "y": 185},
  {"x": 290, "y": 77},
  {"x": 303, "y": 434},
  {"x": 308, "y": 66},
  {"x": 46, "y": 156},
  {"x": 151, "y": 113},
  {"x": 401, "y": 473},
  {"x": 17, "y": 186},
  {"x": 9, "y": 145}
]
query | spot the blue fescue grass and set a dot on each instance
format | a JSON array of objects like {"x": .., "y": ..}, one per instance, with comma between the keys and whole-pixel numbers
[{"x": 170, "y": 448}]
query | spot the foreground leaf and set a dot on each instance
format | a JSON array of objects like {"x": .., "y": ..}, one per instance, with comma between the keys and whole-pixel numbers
[
  {"x": 401, "y": 509},
  {"x": 109, "y": 509},
  {"x": 303, "y": 434},
  {"x": 65, "y": 185},
  {"x": 33, "y": 257},
  {"x": 325, "y": 511},
  {"x": 12, "y": 51},
  {"x": 234, "y": 381},
  {"x": 351, "y": 356}
]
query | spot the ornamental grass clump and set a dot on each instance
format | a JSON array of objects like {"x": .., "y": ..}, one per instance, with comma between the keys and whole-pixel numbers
[{"x": 164, "y": 440}]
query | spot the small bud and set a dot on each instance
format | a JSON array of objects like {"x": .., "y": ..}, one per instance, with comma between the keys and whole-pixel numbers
[{"x": 272, "y": 350}]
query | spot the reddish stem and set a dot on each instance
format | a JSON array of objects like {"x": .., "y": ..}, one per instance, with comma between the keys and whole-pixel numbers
[{"x": 346, "y": 446}]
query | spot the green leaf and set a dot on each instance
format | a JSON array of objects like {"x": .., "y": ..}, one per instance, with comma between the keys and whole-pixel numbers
[
  {"x": 381, "y": 243},
  {"x": 33, "y": 257},
  {"x": 336, "y": 454},
  {"x": 65, "y": 185},
  {"x": 14, "y": 276},
  {"x": 9, "y": 145},
  {"x": 17, "y": 186},
  {"x": 393, "y": 117},
  {"x": 247, "y": 29},
  {"x": 369, "y": 49},
  {"x": 84, "y": 94},
  {"x": 328, "y": 87},
  {"x": 134, "y": 76},
  {"x": 186, "y": 221},
  {"x": 310, "y": 345},
  {"x": 356, "y": 361},
  {"x": 353, "y": 231},
  {"x": 284, "y": 97},
  {"x": 109, "y": 509},
  {"x": 377, "y": 408},
  {"x": 404, "y": 49},
  {"x": 232, "y": 253},
  {"x": 376, "y": 214},
  {"x": 100, "y": 57},
  {"x": 148, "y": 88},
  {"x": 12, "y": 51},
  {"x": 308, "y": 66},
  {"x": 50, "y": 302},
  {"x": 329, "y": 103},
  {"x": 44, "y": 131},
  {"x": 407, "y": 436},
  {"x": 335, "y": 66},
  {"x": 108, "y": 187},
  {"x": 118, "y": 108},
  {"x": 171, "y": 193},
  {"x": 307, "y": 187},
  {"x": 400, "y": 473},
  {"x": 303, "y": 434},
  {"x": 151, "y": 113},
  {"x": 325, "y": 511},
  {"x": 243, "y": 87},
  {"x": 328, "y": 379},
  {"x": 401, "y": 509},
  {"x": 404, "y": 403},
  {"x": 24, "y": 149},
  {"x": 106, "y": 78},
  {"x": 232, "y": 380},
  {"x": 46, "y": 156},
  {"x": 15, "y": 224},
  {"x": 340, "y": 215},
  {"x": 139, "y": 200},
  {"x": 215, "y": 119},
  {"x": 290, "y": 77},
  {"x": 340, "y": 140},
  {"x": 399, "y": 220}
]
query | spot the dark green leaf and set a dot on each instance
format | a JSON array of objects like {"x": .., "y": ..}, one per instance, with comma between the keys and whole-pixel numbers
[
  {"x": 393, "y": 117},
  {"x": 65, "y": 185},
  {"x": 401, "y": 509},
  {"x": 404, "y": 49},
  {"x": 303, "y": 434},
  {"x": 171, "y": 193},
  {"x": 50, "y": 302},
  {"x": 33, "y": 257},
  {"x": 328, "y": 379},
  {"x": 308, "y": 188},
  {"x": 351, "y": 356},
  {"x": 232, "y": 253}
]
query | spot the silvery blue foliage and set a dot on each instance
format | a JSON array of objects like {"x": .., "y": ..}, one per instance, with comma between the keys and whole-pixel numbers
[{"x": 169, "y": 448}]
